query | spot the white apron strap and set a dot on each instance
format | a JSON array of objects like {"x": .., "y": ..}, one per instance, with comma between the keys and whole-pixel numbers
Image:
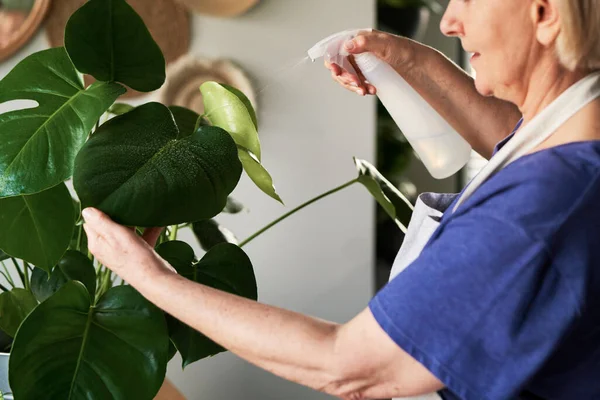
[{"x": 538, "y": 129}]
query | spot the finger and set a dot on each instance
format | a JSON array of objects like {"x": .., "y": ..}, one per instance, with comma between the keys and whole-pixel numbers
[{"x": 102, "y": 224}]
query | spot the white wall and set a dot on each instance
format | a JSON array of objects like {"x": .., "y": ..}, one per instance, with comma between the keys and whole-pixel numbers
[{"x": 320, "y": 261}]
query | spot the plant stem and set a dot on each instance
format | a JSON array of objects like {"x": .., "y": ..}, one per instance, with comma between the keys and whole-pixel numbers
[
  {"x": 7, "y": 275},
  {"x": 26, "y": 269},
  {"x": 19, "y": 270},
  {"x": 3, "y": 288},
  {"x": 300, "y": 207},
  {"x": 79, "y": 238},
  {"x": 173, "y": 235}
]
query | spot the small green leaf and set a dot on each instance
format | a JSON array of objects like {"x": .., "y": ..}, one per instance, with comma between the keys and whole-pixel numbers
[
  {"x": 109, "y": 40},
  {"x": 38, "y": 145},
  {"x": 37, "y": 228},
  {"x": 120, "y": 108},
  {"x": 225, "y": 267},
  {"x": 74, "y": 266},
  {"x": 386, "y": 194},
  {"x": 210, "y": 233},
  {"x": 69, "y": 349},
  {"x": 137, "y": 171},
  {"x": 14, "y": 307},
  {"x": 257, "y": 173}
]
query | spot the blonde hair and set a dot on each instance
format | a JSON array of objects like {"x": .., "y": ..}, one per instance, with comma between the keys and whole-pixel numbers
[{"x": 578, "y": 44}]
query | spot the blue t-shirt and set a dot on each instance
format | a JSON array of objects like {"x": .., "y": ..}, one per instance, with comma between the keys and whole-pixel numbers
[{"x": 504, "y": 300}]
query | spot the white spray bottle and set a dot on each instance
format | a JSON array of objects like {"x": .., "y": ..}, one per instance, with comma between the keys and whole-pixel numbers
[{"x": 441, "y": 149}]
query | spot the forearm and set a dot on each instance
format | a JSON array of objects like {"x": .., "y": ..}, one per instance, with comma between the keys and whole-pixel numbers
[
  {"x": 481, "y": 120},
  {"x": 288, "y": 344}
]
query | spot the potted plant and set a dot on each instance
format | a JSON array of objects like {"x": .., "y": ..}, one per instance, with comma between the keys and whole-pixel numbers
[
  {"x": 68, "y": 328},
  {"x": 407, "y": 18}
]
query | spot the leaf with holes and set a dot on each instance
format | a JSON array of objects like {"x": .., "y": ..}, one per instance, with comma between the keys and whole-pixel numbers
[
  {"x": 38, "y": 145},
  {"x": 37, "y": 228},
  {"x": 68, "y": 348},
  {"x": 109, "y": 40},
  {"x": 137, "y": 171},
  {"x": 225, "y": 267}
]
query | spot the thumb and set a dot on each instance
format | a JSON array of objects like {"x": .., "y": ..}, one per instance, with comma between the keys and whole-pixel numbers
[{"x": 372, "y": 42}]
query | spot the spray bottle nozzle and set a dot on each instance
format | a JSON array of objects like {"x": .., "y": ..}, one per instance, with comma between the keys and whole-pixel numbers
[{"x": 332, "y": 48}]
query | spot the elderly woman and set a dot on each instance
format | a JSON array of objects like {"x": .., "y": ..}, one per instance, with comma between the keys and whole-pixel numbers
[{"x": 500, "y": 301}]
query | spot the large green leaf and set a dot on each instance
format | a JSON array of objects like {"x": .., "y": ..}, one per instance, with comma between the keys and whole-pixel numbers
[
  {"x": 74, "y": 266},
  {"x": 37, "y": 228},
  {"x": 185, "y": 119},
  {"x": 108, "y": 40},
  {"x": 386, "y": 194},
  {"x": 38, "y": 145},
  {"x": 210, "y": 233},
  {"x": 14, "y": 307},
  {"x": 68, "y": 348},
  {"x": 225, "y": 267},
  {"x": 5, "y": 342},
  {"x": 137, "y": 171}
]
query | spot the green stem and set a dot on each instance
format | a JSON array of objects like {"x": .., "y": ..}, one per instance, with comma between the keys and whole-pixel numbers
[
  {"x": 19, "y": 271},
  {"x": 173, "y": 235},
  {"x": 26, "y": 269},
  {"x": 79, "y": 238},
  {"x": 7, "y": 276},
  {"x": 3, "y": 288},
  {"x": 300, "y": 207},
  {"x": 10, "y": 282}
]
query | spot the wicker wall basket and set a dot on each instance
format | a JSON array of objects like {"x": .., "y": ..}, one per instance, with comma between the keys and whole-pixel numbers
[{"x": 18, "y": 27}]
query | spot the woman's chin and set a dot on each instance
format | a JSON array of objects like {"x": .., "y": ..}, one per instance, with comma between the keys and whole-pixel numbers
[{"x": 483, "y": 87}]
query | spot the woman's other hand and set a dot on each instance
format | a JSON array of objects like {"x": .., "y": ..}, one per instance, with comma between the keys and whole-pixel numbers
[{"x": 394, "y": 50}]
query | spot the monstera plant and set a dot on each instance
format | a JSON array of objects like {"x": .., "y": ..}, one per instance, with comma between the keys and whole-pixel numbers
[{"x": 73, "y": 330}]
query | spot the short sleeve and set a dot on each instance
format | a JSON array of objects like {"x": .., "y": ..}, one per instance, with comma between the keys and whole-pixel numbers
[{"x": 481, "y": 307}]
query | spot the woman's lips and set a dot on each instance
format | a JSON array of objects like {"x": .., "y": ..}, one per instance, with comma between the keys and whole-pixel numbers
[{"x": 474, "y": 56}]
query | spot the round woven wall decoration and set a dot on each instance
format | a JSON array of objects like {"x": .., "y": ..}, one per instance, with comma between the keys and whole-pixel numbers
[
  {"x": 184, "y": 77},
  {"x": 220, "y": 8},
  {"x": 18, "y": 27},
  {"x": 167, "y": 20}
]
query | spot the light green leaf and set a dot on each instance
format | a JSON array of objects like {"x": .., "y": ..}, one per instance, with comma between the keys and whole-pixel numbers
[
  {"x": 38, "y": 145},
  {"x": 386, "y": 194},
  {"x": 74, "y": 266},
  {"x": 37, "y": 228},
  {"x": 68, "y": 348},
  {"x": 137, "y": 171},
  {"x": 108, "y": 40},
  {"x": 225, "y": 267},
  {"x": 120, "y": 108},
  {"x": 14, "y": 307},
  {"x": 225, "y": 109},
  {"x": 257, "y": 173}
]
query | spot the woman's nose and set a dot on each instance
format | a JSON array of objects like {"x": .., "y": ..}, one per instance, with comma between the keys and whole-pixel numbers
[{"x": 451, "y": 24}]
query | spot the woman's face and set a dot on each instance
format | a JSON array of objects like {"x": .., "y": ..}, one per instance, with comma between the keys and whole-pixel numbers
[{"x": 501, "y": 35}]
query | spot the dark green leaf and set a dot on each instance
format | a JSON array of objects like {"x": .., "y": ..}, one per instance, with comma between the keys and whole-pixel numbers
[
  {"x": 172, "y": 350},
  {"x": 5, "y": 342},
  {"x": 185, "y": 120},
  {"x": 135, "y": 170},
  {"x": 108, "y": 40},
  {"x": 233, "y": 206},
  {"x": 69, "y": 349},
  {"x": 120, "y": 108},
  {"x": 74, "y": 266},
  {"x": 386, "y": 194},
  {"x": 37, "y": 228},
  {"x": 38, "y": 145},
  {"x": 210, "y": 233},
  {"x": 14, "y": 307},
  {"x": 3, "y": 256},
  {"x": 257, "y": 173},
  {"x": 225, "y": 267}
]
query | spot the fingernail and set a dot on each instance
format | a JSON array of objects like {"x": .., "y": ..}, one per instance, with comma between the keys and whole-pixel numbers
[
  {"x": 349, "y": 45},
  {"x": 353, "y": 84},
  {"x": 89, "y": 213}
]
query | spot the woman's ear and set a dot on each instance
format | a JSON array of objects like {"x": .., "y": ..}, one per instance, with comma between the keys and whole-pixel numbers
[{"x": 546, "y": 19}]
